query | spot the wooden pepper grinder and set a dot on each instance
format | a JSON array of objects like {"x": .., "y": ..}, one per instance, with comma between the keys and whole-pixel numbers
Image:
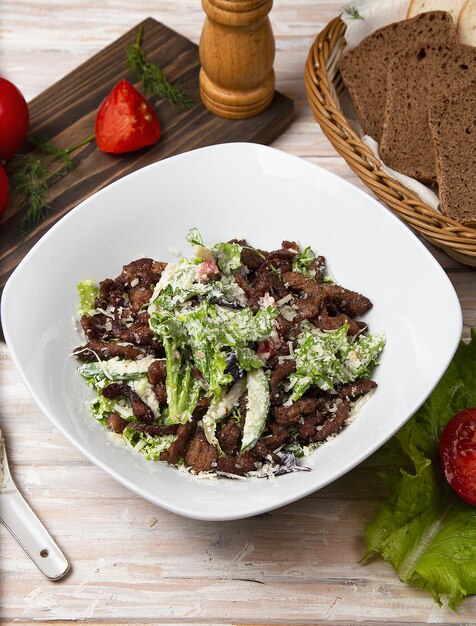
[{"x": 237, "y": 53}]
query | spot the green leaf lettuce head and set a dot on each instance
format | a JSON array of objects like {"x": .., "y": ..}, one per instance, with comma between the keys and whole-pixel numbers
[{"x": 424, "y": 529}]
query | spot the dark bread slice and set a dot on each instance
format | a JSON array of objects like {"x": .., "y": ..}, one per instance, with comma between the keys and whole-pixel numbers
[
  {"x": 364, "y": 69},
  {"x": 453, "y": 130},
  {"x": 416, "y": 80}
]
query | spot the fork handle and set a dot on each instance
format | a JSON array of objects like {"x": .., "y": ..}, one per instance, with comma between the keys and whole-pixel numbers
[{"x": 30, "y": 533}]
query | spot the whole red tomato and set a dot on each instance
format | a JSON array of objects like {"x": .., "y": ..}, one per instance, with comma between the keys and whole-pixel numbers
[
  {"x": 458, "y": 454},
  {"x": 14, "y": 120},
  {"x": 126, "y": 121},
  {"x": 4, "y": 191}
]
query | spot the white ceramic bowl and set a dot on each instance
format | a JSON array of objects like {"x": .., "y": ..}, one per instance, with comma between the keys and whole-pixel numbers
[{"x": 233, "y": 190}]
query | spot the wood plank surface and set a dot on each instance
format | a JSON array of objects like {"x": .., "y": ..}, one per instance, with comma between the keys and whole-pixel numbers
[
  {"x": 132, "y": 562},
  {"x": 66, "y": 113}
]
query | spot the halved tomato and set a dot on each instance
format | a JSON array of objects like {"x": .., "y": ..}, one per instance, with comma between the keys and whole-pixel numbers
[
  {"x": 458, "y": 454},
  {"x": 126, "y": 121}
]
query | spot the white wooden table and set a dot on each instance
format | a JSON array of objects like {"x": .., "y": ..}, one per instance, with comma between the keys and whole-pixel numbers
[{"x": 132, "y": 562}]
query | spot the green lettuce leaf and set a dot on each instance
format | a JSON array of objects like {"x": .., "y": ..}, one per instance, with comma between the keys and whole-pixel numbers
[
  {"x": 87, "y": 293},
  {"x": 303, "y": 260},
  {"x": 424, "y": 529},
  {"x": 228, "y": 256},
  {"x": 194, "y": 237},
  {"x": 150, "y": 447},
  {"x": 325, "y": 358}
]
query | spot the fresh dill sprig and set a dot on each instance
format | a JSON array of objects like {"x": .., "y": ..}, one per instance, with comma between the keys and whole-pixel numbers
[
  {"x": 48, "y": 148},
  {"x": 31, "y": 177},
  {"x": 29, "y": 180},
  {"x": 153, "y": 78},
  {"x": 353, "y": 12}
]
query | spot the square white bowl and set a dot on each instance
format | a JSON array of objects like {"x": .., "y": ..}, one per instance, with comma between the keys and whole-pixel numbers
[{"x": 264, "y": 195}]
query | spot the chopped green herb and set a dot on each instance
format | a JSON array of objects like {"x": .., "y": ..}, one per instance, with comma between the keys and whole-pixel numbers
[
  {"x": 153, "y": 78},
  {"x": 353, "y": 12}
]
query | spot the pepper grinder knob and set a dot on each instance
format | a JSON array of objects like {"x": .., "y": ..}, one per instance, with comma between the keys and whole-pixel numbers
[{"x": 236, "y": 54}]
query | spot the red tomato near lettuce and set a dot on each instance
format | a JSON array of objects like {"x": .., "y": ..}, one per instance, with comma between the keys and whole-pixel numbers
[
  {"x": 14, "y": 120},
  {"x": 458, "y": 454},
  {"x": 126, "y": 121},
  {"x": 4, "y": 191}
]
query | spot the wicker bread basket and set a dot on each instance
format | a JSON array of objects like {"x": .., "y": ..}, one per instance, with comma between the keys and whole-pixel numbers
[{"x": 324, "y": 87}]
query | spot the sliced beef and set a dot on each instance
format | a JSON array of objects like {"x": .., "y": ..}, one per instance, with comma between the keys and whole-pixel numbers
[
  {"x": 122, "y": 390},
  {"x": 160, "y": 392},
  {"x": 141, "y": 271},
  {"x": 244, "y": 284},
  {"x": 335, "y": 423},
  {"x": 229, "y": 437},
  {"x": 116, "y": 423},
  {"x": 309, "y": 305},
  {"x": 279, "y": 435},
  {"x": 308, "y": 424},
  {"x": 176, "y": 451},
  {"x": 278, "y": 260},
  {"x": 293, "y": 246},
  {"x": 356, "y": 389},
  {"x": 317, "y": 268},
  {"x": 111, "y": 294},
  {"x": 105, "y": 350},
  {"x": 153, "y": 430},
  {"x": 262, "y": 453},
  {"x": 251, "y": 258},
  {"x": 139, "y": 296},
  {"x": 284, "y": 327},
  {"x": 240, "y": 465},
  {"x": 201, "y": 456},
  {"x": 350, "y": 302},
  {"x": 280, "y": 373},
  {"x": 285, "y": 415},
  {"x": 138, "y": 333},
  {"x": 202, "y": 405},
  {"x": 324, "y": 321},
  {"x": 94, "y": 326},
  {"x": 157, "y": 372}
]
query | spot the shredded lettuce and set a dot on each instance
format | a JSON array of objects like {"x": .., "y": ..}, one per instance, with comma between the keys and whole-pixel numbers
[
  {"x": 212, "y": 330},
  {"x": 303, "y": 260},
  {"x": 150, "y": 447},
  {"x": 424, "y": 529},
  {"x": 228, "y": 256},
  {"x": 184, "y": 285},
  {"x": 87, "y": 293},
  {"x": 194, "y": 237},
  {"x": 326, "y": 358}
]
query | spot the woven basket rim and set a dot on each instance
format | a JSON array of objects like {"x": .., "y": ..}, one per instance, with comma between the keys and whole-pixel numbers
[{"x": 444, "y": 232}]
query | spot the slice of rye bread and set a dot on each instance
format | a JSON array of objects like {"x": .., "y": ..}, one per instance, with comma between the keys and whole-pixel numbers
[
  {"x": 364, "y": 69},
  {"x": 416, "y": 80},
  {"x": 452, "y": 123}
]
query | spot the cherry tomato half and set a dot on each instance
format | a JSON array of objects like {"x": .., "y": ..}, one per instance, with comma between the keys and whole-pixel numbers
[
  {"x": 126, "y": 121},
  {"x": 458, "y": 454},
  {"x": 4, "y": 191},
  {"x": 14, "y": 119}
]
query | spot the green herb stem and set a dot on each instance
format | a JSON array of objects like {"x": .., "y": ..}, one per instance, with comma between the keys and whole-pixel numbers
[
  {"x": 153, "y": 78},
  {"x": 31, "y": 176}
]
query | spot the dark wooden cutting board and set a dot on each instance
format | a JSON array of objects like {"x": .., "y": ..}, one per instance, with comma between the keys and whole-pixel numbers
[{"x": 66, "y": 112}]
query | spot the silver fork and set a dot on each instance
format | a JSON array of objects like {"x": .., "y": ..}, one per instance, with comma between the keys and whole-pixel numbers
[{"x": 25, "y": 526}]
